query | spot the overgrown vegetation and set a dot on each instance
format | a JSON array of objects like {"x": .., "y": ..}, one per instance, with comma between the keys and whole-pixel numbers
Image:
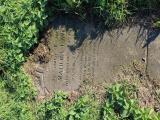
[
  {"x": 20, "y": 24},
  {"x": 111, "y": 12},
  {"x": 54, "y": 108},
  {"x": 84, "y": 109},
  {"x": 12, "y": 109},
  {"x": 107, "y": 10},
  {"x": 58, "y": 108},
  {"x": 119, "y": 104}
]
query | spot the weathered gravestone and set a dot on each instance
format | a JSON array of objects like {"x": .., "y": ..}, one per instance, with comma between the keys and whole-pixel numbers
[{"x": 82, "y": 52}]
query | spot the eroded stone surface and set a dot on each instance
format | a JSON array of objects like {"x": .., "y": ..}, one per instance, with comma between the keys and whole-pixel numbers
[
  {"x": 154, "y": 58},
  {"x": 79, "y": 53}
]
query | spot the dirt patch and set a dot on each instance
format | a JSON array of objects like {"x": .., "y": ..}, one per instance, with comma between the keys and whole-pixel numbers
[
  {"x": 135, "y": 74},
  {"x": 41, "y": 54}
]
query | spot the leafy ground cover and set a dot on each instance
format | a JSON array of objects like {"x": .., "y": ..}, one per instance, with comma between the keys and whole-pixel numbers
[
  {"x": 20, "y": 24},
  {"x": 119, "y": 104}
]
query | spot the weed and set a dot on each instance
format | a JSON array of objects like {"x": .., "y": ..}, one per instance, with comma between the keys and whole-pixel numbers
[
  {"x": 20, "y": 23},
  {"x": 53, "y": 109},
  {"x": 120, "y": 105},
  {"x": 84, "y": 109},
  {"x": 10, "y": 109}
]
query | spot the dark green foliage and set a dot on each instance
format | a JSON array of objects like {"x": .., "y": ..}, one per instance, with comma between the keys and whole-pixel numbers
[
  {"x": 20, "y": 23},
  {"x": 53, "y": 109},
  {"x": 121, "y": 105},
  {"x": 84, "y": 109},
  {"x": 10, "y": 109},
  {"x": 20, "y": 85},
  {"x": 57, "y": 109},
  {"x": 110, "y": 11}
]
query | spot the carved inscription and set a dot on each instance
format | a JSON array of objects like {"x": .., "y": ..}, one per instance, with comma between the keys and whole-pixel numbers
[
  {"x": 67, "y": 72},
  {"x": 67, "y": 68},
  {"x": 60, "y": 72},
  {"x": 93, "y": 60}
]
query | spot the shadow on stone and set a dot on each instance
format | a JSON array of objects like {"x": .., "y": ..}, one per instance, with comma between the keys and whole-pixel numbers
[
  {"x": 82, "y": 29},
  {"x": 151, "y": 36},
  {"x": 146, "y": 33}
]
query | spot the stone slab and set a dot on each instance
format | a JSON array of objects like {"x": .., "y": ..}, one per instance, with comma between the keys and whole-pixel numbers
[
  {"x": 80, "y": 51},
  {"x": 154, "y": 57}
]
